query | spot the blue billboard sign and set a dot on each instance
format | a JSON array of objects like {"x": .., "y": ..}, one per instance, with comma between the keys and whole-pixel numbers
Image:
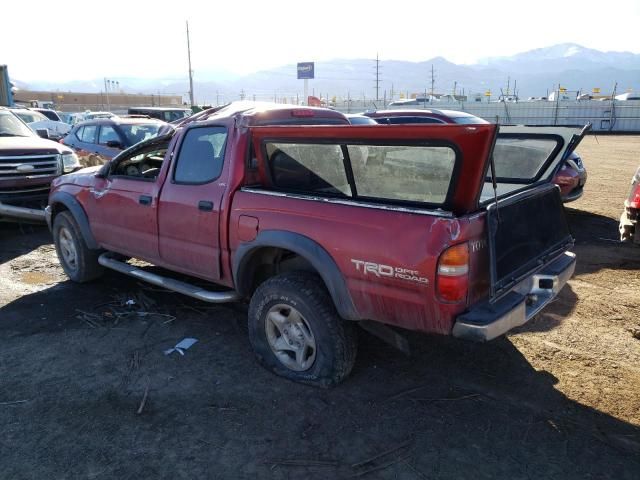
[{"x": 305, "y": 70}]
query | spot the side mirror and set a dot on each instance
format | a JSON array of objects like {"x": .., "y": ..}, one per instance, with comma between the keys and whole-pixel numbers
[
  {"x": 43, "y": 133},
  {"x": 114, "y": 144}
]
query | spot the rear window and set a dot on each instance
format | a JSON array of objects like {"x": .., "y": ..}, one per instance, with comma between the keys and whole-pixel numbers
[
  {"x": 521, "y": 160},
  {"x": 396, "y": 173},
  {"x": 309, "y": 168},
  {"x": 31, "y": 117}
]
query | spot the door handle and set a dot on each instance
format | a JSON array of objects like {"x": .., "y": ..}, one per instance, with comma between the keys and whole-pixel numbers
[
  {"x": 205, "y": 205},
  {"x": 144, "y": 200}
]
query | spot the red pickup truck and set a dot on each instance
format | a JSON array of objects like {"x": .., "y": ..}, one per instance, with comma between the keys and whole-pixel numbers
[{"x": 450, "y": 229}]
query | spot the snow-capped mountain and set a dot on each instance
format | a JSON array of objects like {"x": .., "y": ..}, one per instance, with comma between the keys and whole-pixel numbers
[
  {"x": 567, "y": 56},
  {"x": 536, "y": 72}
]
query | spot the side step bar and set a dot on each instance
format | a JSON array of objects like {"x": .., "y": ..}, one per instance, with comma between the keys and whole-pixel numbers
[
  {"x": 21, "y": 213},
  {"x": 107, "y": 260}
]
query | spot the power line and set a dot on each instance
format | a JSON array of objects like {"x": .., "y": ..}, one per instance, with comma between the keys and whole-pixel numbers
[
  {"x": 377, "y": 82},
  {"x": 433, "y": 80},
  {"x": 190, "y": 71}
]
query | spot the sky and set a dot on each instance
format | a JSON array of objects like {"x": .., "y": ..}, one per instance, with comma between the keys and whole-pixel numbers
[{"x": 68, "y": 40}]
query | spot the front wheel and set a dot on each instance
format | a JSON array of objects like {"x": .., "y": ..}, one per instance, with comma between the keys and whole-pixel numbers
[
  {"x": 78, "y": 261},
  {"x": 296, "y": 332}
]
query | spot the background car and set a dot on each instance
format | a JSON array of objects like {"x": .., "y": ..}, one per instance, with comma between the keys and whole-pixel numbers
[
  {"x": 95, "y": 115},
  {"x": 399, "y": 117},
  {"x": 571, "y": 177},
  {"x": 37, "y": 120},
  {"x": 358, "y": 119},
  {"x": 167, "y": 114},
  {"x": 631, "y": 212},
  {"x": 28, "y": 164},
  {"x": 50, "y": 114},
  {"x": 98, "y": 141}
]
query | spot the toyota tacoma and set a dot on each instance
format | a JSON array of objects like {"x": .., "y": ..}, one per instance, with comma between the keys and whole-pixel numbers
[{"x": 321, "y": 225}]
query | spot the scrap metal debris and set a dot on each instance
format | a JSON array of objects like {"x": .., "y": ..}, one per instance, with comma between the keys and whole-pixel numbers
[
  {"x": 181, "y": 346},
  {"x": 15, "y": 402},
  {"x": 144, "y": 400},
  {"x": 122, "y": 307}
]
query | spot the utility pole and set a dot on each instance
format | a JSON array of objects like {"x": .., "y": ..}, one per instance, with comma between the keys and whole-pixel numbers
[
  {"x": 433, "y": 81},
  {"x": 106, "y": 90},
  {"x": 190, "y": 71},
  {"x": 377, "y": 78}
]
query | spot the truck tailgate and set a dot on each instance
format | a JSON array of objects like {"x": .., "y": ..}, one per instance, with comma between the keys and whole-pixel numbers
[{"x": 526, "y": 232}]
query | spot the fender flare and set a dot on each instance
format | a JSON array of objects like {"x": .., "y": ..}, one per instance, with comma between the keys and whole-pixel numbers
[
  {"x": 307, "y": 248},
  {"x": 79, "y": 215}
]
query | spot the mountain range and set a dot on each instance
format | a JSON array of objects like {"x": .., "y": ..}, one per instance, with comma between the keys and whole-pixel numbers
[{"x": 531, "y": 73}]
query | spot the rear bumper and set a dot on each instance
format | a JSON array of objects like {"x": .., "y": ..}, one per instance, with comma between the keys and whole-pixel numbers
[{"x": 490, "y": 320}]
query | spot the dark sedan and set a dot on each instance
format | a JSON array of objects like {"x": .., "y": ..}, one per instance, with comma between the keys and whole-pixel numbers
[
  {"x": 98, "y": 141},
  {"x": 432, "y": 116},
  {"x": 570, "y": 178}
]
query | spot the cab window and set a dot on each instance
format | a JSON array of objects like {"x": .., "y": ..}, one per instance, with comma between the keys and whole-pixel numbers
[{"x": 201, "y": 155}]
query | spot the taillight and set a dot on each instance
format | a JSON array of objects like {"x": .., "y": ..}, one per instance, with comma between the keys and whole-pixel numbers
[
  {"x": 634, "y": 198},
  {"x": 453, "y": 274},
  {"x": 634, "y": 195}
]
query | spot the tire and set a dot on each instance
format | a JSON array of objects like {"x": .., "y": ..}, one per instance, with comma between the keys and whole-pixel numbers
[
  {"x": 78, "y": 261},
  {"x": 312, "y": 344}
]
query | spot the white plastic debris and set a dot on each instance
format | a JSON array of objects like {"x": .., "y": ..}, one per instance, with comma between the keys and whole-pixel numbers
[
  {"x": 130, "y": 302},
  {"x": 181, "y": 346}
]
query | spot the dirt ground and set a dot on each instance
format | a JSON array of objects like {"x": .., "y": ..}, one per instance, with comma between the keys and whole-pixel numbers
[{"x": 559, "y": 398}]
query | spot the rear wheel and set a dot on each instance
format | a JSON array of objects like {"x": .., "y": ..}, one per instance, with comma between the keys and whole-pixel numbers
[
  {"x": 78, "y": 261},
  {"x": 296, "y": 332}
]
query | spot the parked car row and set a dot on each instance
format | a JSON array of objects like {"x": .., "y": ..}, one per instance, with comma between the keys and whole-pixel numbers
[
  {"x": 28, "y": 164},
  {"x": 101, "y": 138},
  {"x": 38, "y": 120}
]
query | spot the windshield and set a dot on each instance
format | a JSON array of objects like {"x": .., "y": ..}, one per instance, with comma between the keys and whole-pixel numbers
[
  {"x": 30, "y": 117},
  {"x": 10, "y": 126},
  {"x": 138, "y": 132},
  {"x": 519, "y": 160},
  {"x": 50, "y": 114},
  {"x": 173, "y": 115}
]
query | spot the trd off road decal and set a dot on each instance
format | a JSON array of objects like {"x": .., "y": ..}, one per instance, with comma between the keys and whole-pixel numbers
[{"x": 379, "y": 270}]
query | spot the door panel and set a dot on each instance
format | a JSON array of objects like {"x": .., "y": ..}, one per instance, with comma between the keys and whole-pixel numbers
[
  {"x": 123, "y": 208},
  {"x": 189, "y": 210},
  {"x": 123, "y": 215}
]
